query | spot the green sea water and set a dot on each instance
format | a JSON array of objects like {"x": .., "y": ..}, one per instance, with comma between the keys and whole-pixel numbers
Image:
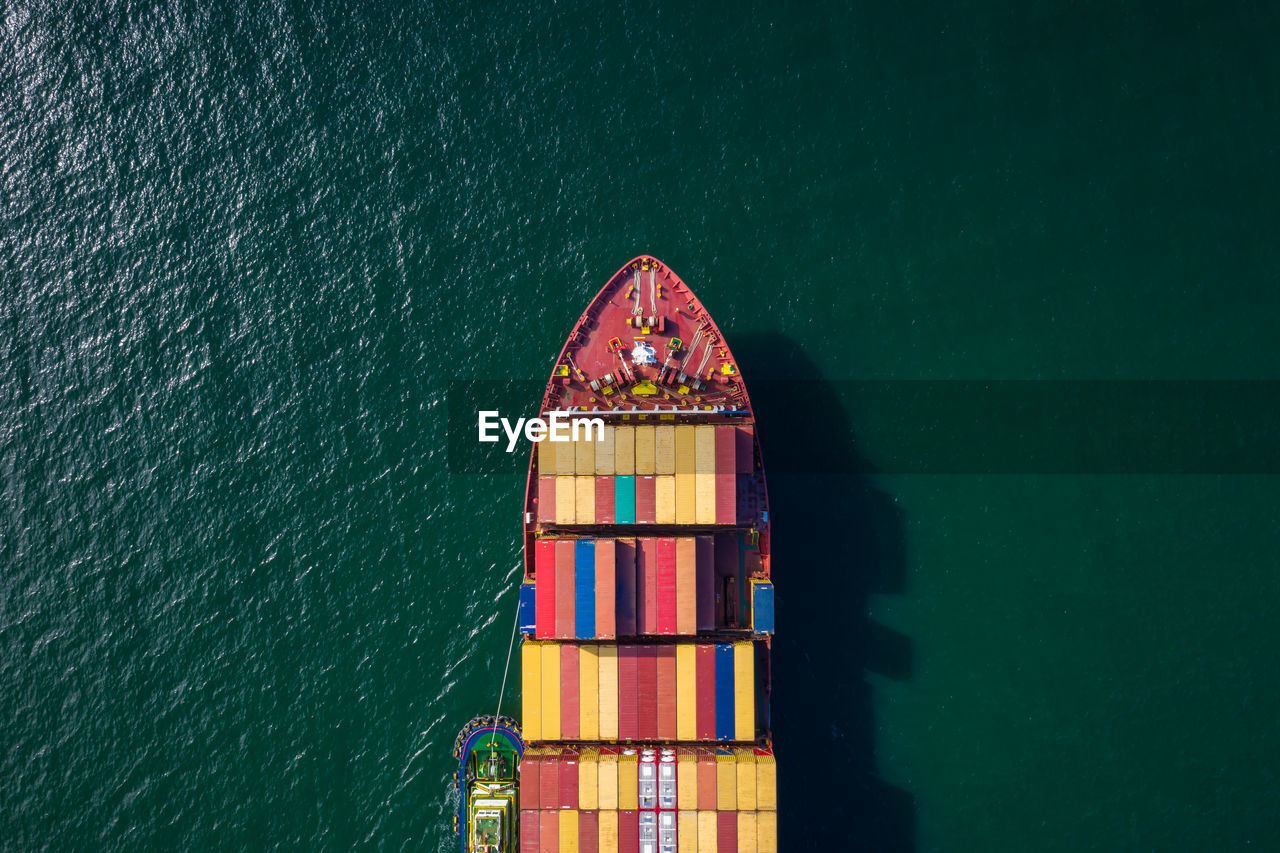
[{"x": 245, "y": 599}]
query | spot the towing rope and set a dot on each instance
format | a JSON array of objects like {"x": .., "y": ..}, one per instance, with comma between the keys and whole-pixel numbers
[{"x": 503, "y": 690}]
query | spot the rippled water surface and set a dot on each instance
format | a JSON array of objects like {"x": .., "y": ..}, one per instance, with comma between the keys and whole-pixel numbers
[{"x": 245, "y": 601}]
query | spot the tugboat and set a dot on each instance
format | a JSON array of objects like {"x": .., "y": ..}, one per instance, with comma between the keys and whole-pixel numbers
[{"x": 488, "y": 750}]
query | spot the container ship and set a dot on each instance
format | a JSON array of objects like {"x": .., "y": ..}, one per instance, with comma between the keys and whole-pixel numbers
[{"x": 646, "y": 610}]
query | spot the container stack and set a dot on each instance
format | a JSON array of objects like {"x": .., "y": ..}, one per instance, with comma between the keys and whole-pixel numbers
[{"x": 647, "y": 616}]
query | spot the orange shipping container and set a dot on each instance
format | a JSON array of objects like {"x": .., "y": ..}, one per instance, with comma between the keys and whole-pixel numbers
[
  {"x": 664, "y": 489},
  {"x": 550, "y": 690},
  {"x": 546, "y": 500},
  {"x": 706, "y": 783},
  {"x": 606, "y": 576},
  {"x": 569, "y": 831},
  {"x": 531, "y": 695},
  {"x": 664, "y": 450},
  {"x": 608, "y": 694},
  {"x": 686, "y": 586},
  {"x": 666, "y": 692},
  {"x": 686, "y": 499}
]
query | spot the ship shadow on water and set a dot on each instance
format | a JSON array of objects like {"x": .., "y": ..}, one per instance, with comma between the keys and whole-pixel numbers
[{"x": 838, "y": 539}]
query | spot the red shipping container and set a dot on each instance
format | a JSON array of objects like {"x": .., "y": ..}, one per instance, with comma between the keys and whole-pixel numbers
[
  {"x": 549, "y": 831},
  {"x": 706, "y": 581},
  {"x": 547, "y": 500},
  {"x": 705, "y": 674},
  {"x": 665, "y": 600},
  {"x": 726, "y": 449},
  {"x": 529, "y": 777},
  {"x": 606, "y": 578},
  {"x": 746, "y": 452},
  {"x": 528, "y": 830},
  {"x": 727, "y": 832},
  {"x": 566, "y": 612},
  {"x": 726, "y": 499},
  {"x": 646, "y": 500},
  {"x": 549, "y": 783},
  {"x": 544, "y": 588},
  {"x": 569, "y": 782},
  {"x": 628, "y": 693},
  {"x": 626, "y": 587},
  {"x": 647, "y": 579},
  {"x": 666, "y": 692},
  {"x": 604, "y": 500},
  {"x": 588, "y": 832},
  {"x": 570, "y": 687},
  {"x": 647, "y": 676},
  {"x": 628, "y": 831},
  {"x": 707, "y": 792}
]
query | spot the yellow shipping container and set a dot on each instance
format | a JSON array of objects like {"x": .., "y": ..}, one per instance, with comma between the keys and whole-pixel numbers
[
  {"x": 766, "y": 783},
  {"x": 569, "y": 831},
  {"x": 686, "y": 444},
  {"x": 686, "y": 499},
  {"x": 546, "y": 457},
  {"x": 531, "y": 695},
  {"x": 565, "y": 500},
  {"x": 746, "y": 780},
  {"x": 726, "y": 783},
  {"x": 687, "y": 833},
  {"x": 608, "y": 692},
  {"x": 589, "y": 779},
  {"x": 664, "y": 489},
  {"x": 747, "y": 836},
  {"x": 707, "y": 832},
  {"x": 744, "y": 691},
  {"x": 609, "y": 832},
  {"x": 766, "y": 832},
  {"x": 585, "y": 497},
  {"x": 686, "y": 701},
  {"x": 624, "y": 450},
  {"x": 705, "y": 449},
  {"x": 628, "y": 782},
  {"x": 687, "y": 782},
  {"x": 644, "y": 450},
  {"x": 607, "y": 785},
  {"x": 550, "y": 691},
  {"x": 704, "y": 511},
  {"x": 664, "y": 450},
  {"x": 604, "y": 452},
  {"x": 584, "y": 453},
  {"x": 589, "y": 693},
  {"x": 566, "y": 457}
]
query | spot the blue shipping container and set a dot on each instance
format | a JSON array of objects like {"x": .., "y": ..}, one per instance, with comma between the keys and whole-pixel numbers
[
  {"x": 584, "y": 567},
  {"x": 762, "y": 607},
  {"x": 528, "y": 608},
  {"x": 724, "y": 691}
]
